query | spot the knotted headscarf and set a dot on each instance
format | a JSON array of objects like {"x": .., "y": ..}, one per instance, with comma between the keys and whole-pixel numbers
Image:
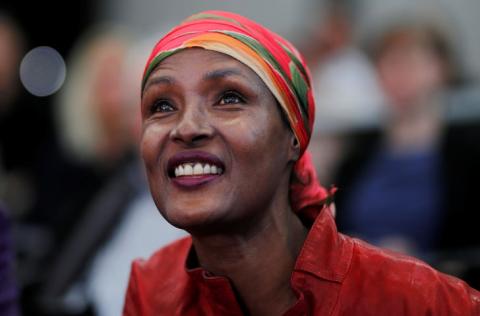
[{"x": 276, "y": 62}]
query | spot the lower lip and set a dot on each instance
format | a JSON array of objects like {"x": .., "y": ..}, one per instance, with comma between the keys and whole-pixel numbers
[{"x": 194, "y": 181}]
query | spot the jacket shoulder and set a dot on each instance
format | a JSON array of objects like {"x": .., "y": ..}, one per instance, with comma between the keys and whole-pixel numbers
[
  {"x": 395, "y": 282},
  {"x": 157, "y": 283}
]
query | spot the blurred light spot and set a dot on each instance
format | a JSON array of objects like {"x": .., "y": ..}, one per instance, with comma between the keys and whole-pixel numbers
[{"x": 42, "y": 71}]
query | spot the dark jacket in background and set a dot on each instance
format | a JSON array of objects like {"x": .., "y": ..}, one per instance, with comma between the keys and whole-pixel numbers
[{"x": 460, "y": 168}]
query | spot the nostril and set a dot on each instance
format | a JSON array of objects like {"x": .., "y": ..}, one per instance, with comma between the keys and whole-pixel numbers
[
  {"x": 190, "y": 136},
  {"x": 191, "y": 139},
  {"x": 199, "y": 138}
]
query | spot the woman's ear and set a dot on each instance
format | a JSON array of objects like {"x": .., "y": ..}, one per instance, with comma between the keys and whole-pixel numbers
[{"x": 294, "y": 148}]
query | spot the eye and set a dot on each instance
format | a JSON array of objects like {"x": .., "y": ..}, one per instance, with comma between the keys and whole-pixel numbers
[
  {"x": 162, "y": 106},
  {"x": 230, "y": 97}
]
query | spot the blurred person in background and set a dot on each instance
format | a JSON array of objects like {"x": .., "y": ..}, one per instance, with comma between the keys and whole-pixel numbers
[
  {"x": 29, "y": 159},
  {"x": 346, "y": 89},
  {"x": 8, "y": 288},
  {"x": 412, "y": 186},
  {"x": 108, "y": 221},
  {"x": 15, "y": 168},
  {"x": 23, "y": 131},
  {"x": 93, "y": 145},
  {"x": 11, "y": 48}
]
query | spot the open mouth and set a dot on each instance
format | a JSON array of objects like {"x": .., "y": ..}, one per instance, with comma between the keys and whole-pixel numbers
[
  {"x": 196, "y": 169},
  {"x": 193, "y": 168}
]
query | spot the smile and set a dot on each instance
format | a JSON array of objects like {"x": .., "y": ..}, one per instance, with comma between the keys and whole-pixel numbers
[
  {"x": 197, "y": 169},
  {"x": 194, "y": 168}
]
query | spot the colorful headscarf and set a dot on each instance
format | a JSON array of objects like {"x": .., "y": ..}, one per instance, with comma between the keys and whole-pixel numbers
[{"x": 274, "y": 60}]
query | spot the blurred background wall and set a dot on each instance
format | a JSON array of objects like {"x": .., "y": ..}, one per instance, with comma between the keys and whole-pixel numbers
[{"x": 292, "y": 18}]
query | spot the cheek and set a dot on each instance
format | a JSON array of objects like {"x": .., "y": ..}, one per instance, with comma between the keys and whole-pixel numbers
[
  {"x": 247, "y": 136},
  {"x": 258, "y": 164},
  {"x": 257, "y": 145},
  {"x": 151, "y": 144}
]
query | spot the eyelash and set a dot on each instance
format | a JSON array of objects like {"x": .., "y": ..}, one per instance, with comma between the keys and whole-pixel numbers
[
  {"x": 230, "y": 93},
  {"x": 157, "y": 104},
  {"x": 156, "y": 107}
]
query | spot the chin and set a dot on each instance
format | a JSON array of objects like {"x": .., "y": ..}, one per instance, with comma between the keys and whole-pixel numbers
[{"x": 192, "y": 216}]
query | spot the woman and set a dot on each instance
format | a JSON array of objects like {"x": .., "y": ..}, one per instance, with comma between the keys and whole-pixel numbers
[{"x": 227, "y": 114}]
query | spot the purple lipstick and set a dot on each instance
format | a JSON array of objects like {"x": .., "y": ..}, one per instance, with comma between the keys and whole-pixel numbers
[{"x": 191, "y": 169}]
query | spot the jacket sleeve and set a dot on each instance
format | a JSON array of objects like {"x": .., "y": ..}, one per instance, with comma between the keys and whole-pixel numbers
[
  {"x": 458, "y": 298},
  {"x": 447, "y": 295}
]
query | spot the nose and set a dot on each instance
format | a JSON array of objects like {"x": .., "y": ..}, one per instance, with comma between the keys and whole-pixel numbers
[{"x": 193, "y": 127}]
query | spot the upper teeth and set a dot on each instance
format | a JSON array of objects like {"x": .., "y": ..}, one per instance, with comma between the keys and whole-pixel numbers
[{"x": 189, "y": 169}]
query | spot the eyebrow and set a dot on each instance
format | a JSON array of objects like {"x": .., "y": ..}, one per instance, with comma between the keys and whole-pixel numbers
[
  {"x": 167, "y": 80},
  {"x": 222, "y": 73},
  {"x": 212, "y": 75}
]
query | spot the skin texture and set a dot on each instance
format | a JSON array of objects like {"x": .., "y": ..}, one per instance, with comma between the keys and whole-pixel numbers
[{"x": 241, "y": 223}]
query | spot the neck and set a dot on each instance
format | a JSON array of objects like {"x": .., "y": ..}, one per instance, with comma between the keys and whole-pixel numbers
[
  {"x": 259, "y": 262},
  {"x": 415, "y": 127}
]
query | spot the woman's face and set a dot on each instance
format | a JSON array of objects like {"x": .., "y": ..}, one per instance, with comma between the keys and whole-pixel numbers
[
  {"x": 214, "y": 145},
  {"x": 410, "y": 71}
]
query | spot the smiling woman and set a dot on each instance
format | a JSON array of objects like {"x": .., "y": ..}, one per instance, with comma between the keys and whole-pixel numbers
[
  {"x": 227, "y": 111},
  {"x": 211, "y": 118}
]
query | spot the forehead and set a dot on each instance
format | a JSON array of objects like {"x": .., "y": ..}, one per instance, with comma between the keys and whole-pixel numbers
[
  {"x": 195, "y": 53},
  {"x": 199, "y": 62}
]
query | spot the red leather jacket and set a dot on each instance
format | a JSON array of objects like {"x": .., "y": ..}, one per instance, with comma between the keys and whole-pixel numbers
[{"x": 334, "y": 275}]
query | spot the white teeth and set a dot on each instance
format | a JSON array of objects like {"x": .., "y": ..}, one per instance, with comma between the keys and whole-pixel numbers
[
  {"x": 206, "y": 169},
  {"x": 189, "y": 169},
  {"x": 198, "y": 169}
]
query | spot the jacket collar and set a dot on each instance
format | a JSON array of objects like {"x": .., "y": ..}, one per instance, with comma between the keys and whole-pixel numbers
[{"x": 325, "y": 253}]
